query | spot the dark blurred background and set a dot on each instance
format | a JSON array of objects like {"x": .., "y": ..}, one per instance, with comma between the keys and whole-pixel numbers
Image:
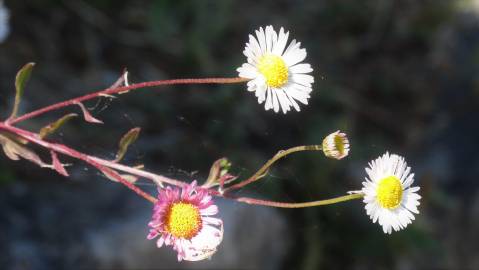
[{"x": 398, "y": 76}]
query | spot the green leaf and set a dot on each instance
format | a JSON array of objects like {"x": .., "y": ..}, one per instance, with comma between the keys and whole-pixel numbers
[
  {"x": 225, "y": 166},
  {"x": 125, "y": 141},
  {"x": 21, "y": 80},
  {"x": 219, "y": 172},
  {"x": 52, "y": 127}
]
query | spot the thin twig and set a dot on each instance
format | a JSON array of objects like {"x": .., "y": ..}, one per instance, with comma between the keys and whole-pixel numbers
[
  {"x": 111, "y": 91},
  {"x": 34, "y": 138},
  {"x": 262, "y": 171},
  {"x": 300, "y": 205},
  {"x": 157, "y": 179},
  {"x": 110, "y": 168}
]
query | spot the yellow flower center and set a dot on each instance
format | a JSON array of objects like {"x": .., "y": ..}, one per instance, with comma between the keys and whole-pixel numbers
[
  {"x": 274, "y": 70},
  {"x": 183, "y": 220},
  {"x": 339, "y": 143},
  {"x": 389, "y": 192}
]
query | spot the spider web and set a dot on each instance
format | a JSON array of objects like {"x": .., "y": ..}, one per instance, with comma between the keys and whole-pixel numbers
[{"x": 278, "y": 174}]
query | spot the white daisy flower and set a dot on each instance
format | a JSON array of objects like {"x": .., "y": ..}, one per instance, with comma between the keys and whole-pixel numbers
[
  {"x": 388, "y": 194},
  {"x": 4, "y": 27},
  {"x": 277, "y": 74}
]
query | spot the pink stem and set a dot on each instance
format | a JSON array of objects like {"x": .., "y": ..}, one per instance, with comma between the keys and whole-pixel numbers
[
  {"x": 106, "y": 166},
  {"x": 110, "y": 91},
  {"x": 34, "y": 138},
  {"x": 158, "y": 179},
  {"x": 264, "y": 169}
]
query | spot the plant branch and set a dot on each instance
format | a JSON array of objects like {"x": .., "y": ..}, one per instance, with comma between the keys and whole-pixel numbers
[
  {"x": 111, "y": 91},
  {"x": 157, "y": 179},
  {"x": 101, "y": 165},
  {"x": 120, "y": 179},
  {"x": 300, "y": 205},
  {"x": 110, "y": 168},
  {"x": 263, "y": 170}
]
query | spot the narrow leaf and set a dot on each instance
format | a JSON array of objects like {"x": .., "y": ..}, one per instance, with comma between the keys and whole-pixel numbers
[
  {"x": 57, "y": 165},
  {"x": 130, "y": 178},
  {"x": 219, "y": 174},
  {"x": 214, "y": 173},
  {"x": 8, "y": 150},
  {"x": 52, "y": 127},
  {"x": 86, "y": 114},
  {"x": 127, "y": 139},
  {"x": 14, "y": 151},
  {"x": 107, "y": 96},
  {"x": 125, "y": 81},
  {"x": 122, "y": 81},
  {"x": 14, "y": 138},
  {"x": 21, "y": 80},
  {"x": 226, "y": 179}
]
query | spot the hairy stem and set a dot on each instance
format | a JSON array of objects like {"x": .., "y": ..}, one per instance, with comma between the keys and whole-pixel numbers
[
  {"x": 157, "y": 179},
  {"x": 261, "y": 172},
  {"x": 95, "y": 162},
  {"x": 111, "y": 91},
  {"x": 110, "y": 168},
  {"x": 300, "y": 205}
]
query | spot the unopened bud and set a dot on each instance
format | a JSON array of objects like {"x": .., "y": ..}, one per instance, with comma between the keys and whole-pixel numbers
[{"x": 336, "y": 145}]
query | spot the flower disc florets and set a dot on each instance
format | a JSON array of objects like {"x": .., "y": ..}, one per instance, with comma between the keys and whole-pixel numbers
[
  {"x": 183, "y": 219},
  {"x": 388, "y": 194},
  {"x": 276, "y": 72}
]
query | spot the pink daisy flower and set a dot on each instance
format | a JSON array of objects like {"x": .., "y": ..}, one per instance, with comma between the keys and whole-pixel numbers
[{"x": 183, "y": 219}]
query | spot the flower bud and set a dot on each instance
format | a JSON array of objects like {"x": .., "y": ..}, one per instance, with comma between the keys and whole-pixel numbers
[{"x": 336, "y": 145}]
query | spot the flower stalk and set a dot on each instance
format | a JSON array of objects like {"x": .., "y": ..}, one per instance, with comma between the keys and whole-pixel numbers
[
  {"x": 119, "y": 90},
  {"x": 303, "y": 204},
  {"x": 110, "y": 168},
  {"x": 264, "y": 169},
  {"x": 34, "y": 138}
]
